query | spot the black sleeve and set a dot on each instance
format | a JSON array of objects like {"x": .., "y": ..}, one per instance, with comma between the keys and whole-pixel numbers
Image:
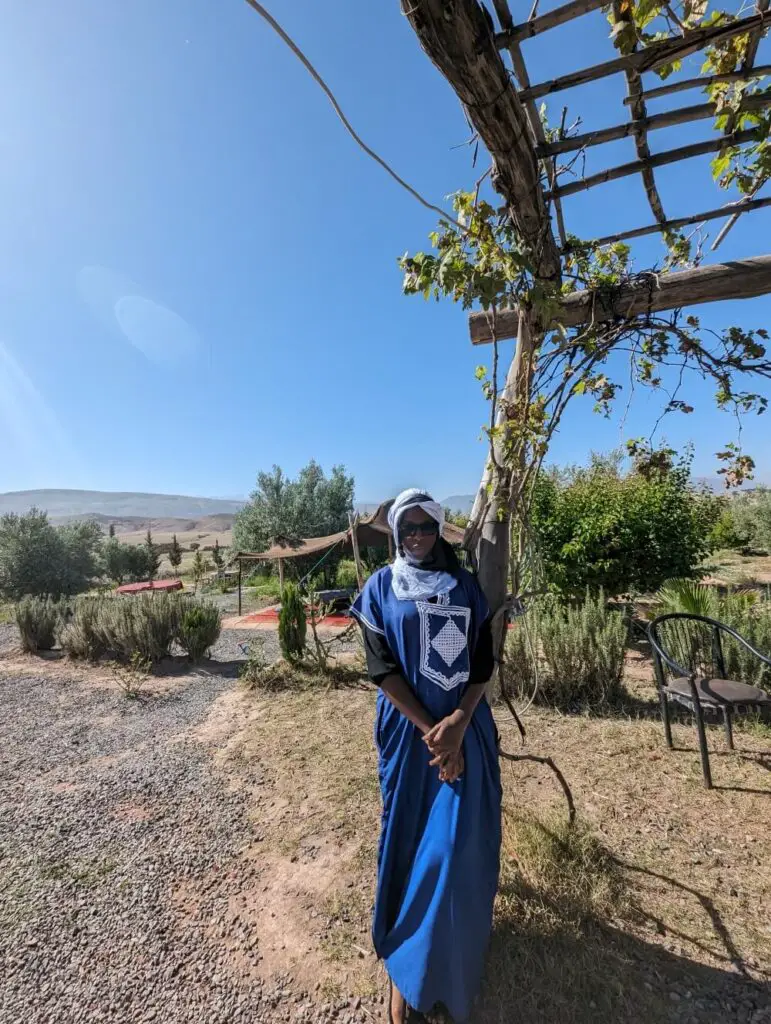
[
  {"x": 482, "y": 660},
  {"x": 380, "y": 660}
]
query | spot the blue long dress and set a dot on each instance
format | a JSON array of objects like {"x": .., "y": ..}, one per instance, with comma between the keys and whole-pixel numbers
[{"x": 439, "y": 851}]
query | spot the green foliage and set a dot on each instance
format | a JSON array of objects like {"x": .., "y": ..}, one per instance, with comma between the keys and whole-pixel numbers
[
  {"x": 145, "y": 626},
  {"x": 82, "y": 635},
  {"x": 38, "y": 559},
  {"x": 483, "y": 261},
  {"x": 199, "y": 629},
  {"x": 152, "y": 557},
  {"x": 687, "y": 596},
  {"x": 132, "y": 677},
  {"x": 600, "y": 529},
  {"x": 216, "y": 555},
  {"x": 292, "y": 623},
  {"x": 37, "y": 619},
  {"x": 460, "y": 519},
  {"x": 573, "y": 652},
  {"x": 199, "y": 566},
  {"x": 313, "y": 505},
  {"x": 751, "y": 514},
  {"x": 346, "y": 577},
  {"x": 175, "y": 553},
  {"x": 127, "y": 563},
  {"x": 266, "y": 587},
  {"x": 727, "y": 530}
]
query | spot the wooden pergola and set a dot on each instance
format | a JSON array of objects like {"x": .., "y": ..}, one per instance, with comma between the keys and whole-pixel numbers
[{"x": 484, "y": 63}]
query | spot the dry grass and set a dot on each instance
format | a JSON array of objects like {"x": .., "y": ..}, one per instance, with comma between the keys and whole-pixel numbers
[
  {"x": 731, "y": 568},
  {"x": 662, "y": 889}
]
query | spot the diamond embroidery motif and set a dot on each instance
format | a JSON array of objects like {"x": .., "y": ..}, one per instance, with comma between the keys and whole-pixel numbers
[{"x": 449, "y": 642}]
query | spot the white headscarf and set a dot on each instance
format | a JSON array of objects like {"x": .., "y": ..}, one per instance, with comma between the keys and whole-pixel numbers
[{"x": 409, "y": 581}]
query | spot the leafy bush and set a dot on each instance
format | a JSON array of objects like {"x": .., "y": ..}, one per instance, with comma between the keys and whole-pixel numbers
[
  {"x": 752, "y": 518},
  {"x": 81, "y": 634},
  {"x": 38, "y": 559},
  {"x": 573, "y": 652},
  {"x": 127, "y": 563},
  {"x": 292, "y": 623},
  {"x": 37, "y": 619},
  {"x": 199, "y": 629},
  {"x": 346, "y": 577},
  {"x": 267, "y": 587},
  {"x": 598, "y": 529}
]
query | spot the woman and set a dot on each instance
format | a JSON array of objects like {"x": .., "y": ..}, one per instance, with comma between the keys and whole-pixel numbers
[{"x": 429, "y": 649}]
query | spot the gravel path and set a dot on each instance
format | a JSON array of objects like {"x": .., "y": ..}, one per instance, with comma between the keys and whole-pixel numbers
[{"x": 108, "y": 813}]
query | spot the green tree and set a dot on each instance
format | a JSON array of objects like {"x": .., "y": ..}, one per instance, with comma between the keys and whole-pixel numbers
[
  {"x": 313, "y": 505},
  {"x": 111, "y": 530},
  {"x": 292, "y": 623},
  {"x": 199, "y": 566},
  {"x": 152, "y": 557},
  {"x": 216, "y": 554},
  {"x": 597, "y": 528},
  {"x": 38, "y": 559},
  {"x": 751, "y": 515},
  {"x": 175, "y": 553}
]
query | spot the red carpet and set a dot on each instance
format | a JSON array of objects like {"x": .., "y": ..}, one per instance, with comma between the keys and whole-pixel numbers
[{"x": 270, "y": 615}]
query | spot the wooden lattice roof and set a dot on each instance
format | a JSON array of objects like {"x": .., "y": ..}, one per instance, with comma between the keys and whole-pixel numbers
[{"x": 483, "y": 58}]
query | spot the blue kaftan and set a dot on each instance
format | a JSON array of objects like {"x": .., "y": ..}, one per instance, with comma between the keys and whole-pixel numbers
[{"x": 439, "y": 850}]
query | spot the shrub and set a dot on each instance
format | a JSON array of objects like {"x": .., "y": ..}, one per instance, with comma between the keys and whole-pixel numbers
[
  {"x": 81, "y": 633},
  {"x": 292, "y": 623},
  {"x": 38, "y": 559},
  {"x": 37, "y": 619},
  {"x": 573, "y": 652},
  {"x": 752, "y": 516},
  {"x": 598, "y": 529},
  {"x": 199, "y": 629},
  {"x": 346, "y": 577},
  {"x": 145, "y": 626}
]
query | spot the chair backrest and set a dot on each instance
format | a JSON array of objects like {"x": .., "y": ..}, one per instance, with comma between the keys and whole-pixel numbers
[
  {"x": 685, "y": 644},
  {"x": 690, "y": 645}
]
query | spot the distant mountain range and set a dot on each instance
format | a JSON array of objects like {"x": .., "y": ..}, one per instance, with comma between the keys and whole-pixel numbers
[
  {"x": 106, "y": 506},
  {"x": 132, "y": 510}
]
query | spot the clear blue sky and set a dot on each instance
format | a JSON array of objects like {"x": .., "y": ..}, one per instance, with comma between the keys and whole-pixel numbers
[{"x": 198, "y": 267}]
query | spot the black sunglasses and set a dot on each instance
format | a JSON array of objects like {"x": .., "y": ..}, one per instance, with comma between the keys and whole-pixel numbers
[{"x": 429, "y": 528}]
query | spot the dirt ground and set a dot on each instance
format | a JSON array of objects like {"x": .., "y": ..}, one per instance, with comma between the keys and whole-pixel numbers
[{"x": 657, "y": 910}]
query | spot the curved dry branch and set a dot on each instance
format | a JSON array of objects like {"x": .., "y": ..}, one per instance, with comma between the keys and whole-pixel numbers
[{"x": 549, "y": 762}]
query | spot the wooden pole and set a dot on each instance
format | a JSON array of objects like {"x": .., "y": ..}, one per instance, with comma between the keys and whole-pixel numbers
[
  {"x": 743, "y": 206},
  {"x": 651, "y": 293},
  {"x": 533, "y": 115},
  {"x": 353, "y": 522},
  {"x": 534, "y": 26},
  {"x": 670, "y": 156},
  {"x": 239, "y": 587},
  {"x": 698, "y": 112},
  {"x": 655, "y": 55},
  {"x": 281, "y": 574},
  {"x": 463, "y": 48},
  {"x": 704, "y": 81}
]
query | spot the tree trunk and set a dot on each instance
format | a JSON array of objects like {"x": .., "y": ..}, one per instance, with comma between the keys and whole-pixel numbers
[{"x": 489, "y": 530}]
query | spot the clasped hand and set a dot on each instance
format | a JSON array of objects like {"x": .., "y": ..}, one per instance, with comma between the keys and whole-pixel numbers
[{"x": 445, "y": 742}]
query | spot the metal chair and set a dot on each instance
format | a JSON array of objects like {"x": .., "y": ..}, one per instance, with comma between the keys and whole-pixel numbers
[{"x": 695, "y": 658}]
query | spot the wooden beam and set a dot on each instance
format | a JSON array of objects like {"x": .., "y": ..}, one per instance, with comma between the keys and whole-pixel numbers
[
  {"x": 459, "y": 38},
  {"x": 654, "y": 55},
  {"x": 652, "y": 293},
  {"x": 698, "y": 112},
  {"x": 533, "y": 116},
  {"x": 670, "y": 156},
  {"x": 744, "y": 206},
  {"x": 749, "y": 59},
  {"x": 534, "y": 27},
  {"x": 703, "y": 81}
]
